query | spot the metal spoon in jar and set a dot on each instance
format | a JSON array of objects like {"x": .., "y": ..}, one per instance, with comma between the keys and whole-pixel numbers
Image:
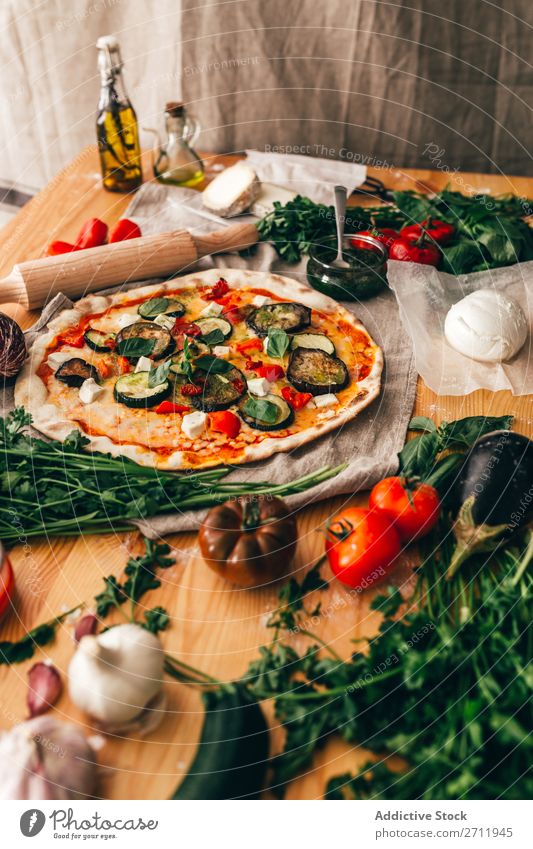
[{"x": 340, "y": 213}]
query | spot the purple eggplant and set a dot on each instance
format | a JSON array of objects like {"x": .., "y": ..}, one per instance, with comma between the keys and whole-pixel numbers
[{"x": 495, "y": 493}]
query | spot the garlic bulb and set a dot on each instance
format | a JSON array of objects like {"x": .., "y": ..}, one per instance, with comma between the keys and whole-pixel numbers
[
  {"x": 113, "y": 676},
  {"x": 46, "y": 759}
]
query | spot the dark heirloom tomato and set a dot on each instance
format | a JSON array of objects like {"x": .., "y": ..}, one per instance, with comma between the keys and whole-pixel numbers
[{"x": 249, "y": 541}]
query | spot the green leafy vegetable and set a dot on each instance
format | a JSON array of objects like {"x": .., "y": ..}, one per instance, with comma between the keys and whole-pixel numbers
[
  {"x": 213, "y": 365},
  {"x": 154, "y": 307},
  {"x": 24, "y": 649},
  {"x": 135, "y": 346},
  {"x": 140, "y": 577},
  {"x": 214, "y": 337},
  {"x": 159, "y": 374},
  {"x": 156, "y": 620},
  {"x": 263, "y": 411},
  {"x": 278, "y": 342}
]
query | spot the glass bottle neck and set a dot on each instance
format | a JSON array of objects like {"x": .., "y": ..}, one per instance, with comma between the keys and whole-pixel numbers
[
  {"x": 175, "y": 126},
  {"x": 111, "y": 79}
]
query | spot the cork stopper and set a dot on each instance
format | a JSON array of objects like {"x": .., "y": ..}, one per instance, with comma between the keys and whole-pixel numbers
[{"x": 175, "y": 108}]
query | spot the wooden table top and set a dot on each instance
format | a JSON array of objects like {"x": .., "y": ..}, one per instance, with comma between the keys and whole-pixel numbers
[{"x": 215, "y": 627}]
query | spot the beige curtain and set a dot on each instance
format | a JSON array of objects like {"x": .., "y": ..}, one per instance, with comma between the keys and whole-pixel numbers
[
  {"x": 49, "y": 84},
  {"x": 405, "y": 82}
]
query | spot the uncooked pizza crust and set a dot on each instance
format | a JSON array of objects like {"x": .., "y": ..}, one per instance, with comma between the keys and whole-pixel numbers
[{"x": 155, "y": 440}]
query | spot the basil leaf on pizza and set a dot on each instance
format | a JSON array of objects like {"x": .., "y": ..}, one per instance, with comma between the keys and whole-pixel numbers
[
  {"x": 214, "y": 337},
  {"x": 159, "y": 374},
  {"x": 135, "y": 346},
  {"x": 263, "y": 411},
  {"x": 277, "y": 343},
  {"x": 214, "y": 365},
  {"x": 153, "y": 307}
]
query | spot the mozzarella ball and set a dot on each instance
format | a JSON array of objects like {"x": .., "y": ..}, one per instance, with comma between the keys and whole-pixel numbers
[{"x": 486, "y": 326}]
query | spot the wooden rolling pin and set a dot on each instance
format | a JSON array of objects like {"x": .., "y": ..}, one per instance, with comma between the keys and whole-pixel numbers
[{"x": 34, "y": 282}]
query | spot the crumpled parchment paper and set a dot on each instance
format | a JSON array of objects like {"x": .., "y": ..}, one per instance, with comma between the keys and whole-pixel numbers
[{"x": 425, "y": 295}]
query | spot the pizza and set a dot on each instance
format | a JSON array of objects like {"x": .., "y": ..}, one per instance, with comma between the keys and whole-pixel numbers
[{"x": 222, "y": 366}]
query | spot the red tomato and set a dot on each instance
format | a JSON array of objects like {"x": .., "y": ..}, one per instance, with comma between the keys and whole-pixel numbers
[
  {"x": 425, "y": 253},
  {"x": 413, "y": 510},
  {"x": 92, "y": 234},
  {"x": 58, "y": 247},
  {"x": 271, "y": 372},
  {"x": 437, "y": 230},
  {"x": 187, "y": 328},
  {"x": 220, "y": 289},
  {"x": 73, "y": 337},
  {"x": 385, "y": 235},
  {"x": 124, "y": 229},
  {"x": 295, "y": 399},
  {"x": 189, "y": 389},
  {"x": 170, "y": 407},
  {"x": 124, "y": 365},
  {"x": 225, "y": 422},
  {"x": 361, "y": 546},
  {"x": 249, "y": 345},
  {"x": 7, "y": 582}
]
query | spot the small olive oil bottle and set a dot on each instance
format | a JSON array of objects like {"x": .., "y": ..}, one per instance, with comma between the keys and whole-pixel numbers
[{"x": 116, "y": 123}]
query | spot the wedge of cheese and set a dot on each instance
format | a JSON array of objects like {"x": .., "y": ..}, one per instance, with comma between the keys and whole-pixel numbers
[{"x": 233, "y": 191}]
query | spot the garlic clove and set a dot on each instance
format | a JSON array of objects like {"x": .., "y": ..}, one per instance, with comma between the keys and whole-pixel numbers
[
  {"x": 44, "y": 758},
  {"x": 85, "y": 626},
  {"x": 45, "y": 687}
]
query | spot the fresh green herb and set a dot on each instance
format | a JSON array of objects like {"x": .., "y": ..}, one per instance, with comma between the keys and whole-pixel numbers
[
  {"x": 58, "y": 489},
  {"x": 263, "y": 411},
  {"x": 213, "y": 365},
  {"x": 278, "y": 342},
  {"x": 419, "y": 456},
  {"x": 135, "y": 346},
  {"x": 214, "y": 337},
  {"x": 295, "y": 227},
  {"x": 156, "y": 620},
  {"x": 187, "y": 359},
  {"x": 154, "y": 307},
  {"x": 140, "y": 577},
  {"x": 23, "y": 649},
  {"x": 159, "y": 374}
]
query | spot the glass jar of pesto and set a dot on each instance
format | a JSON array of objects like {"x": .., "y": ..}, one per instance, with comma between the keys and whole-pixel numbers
[{"x": 365, "y": 277}]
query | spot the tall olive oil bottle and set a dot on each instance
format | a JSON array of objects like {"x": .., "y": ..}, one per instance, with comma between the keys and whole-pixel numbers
[{"x": 116, "y": 123}]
